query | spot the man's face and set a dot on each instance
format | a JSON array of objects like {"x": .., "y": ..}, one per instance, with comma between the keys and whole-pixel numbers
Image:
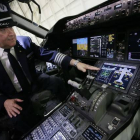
[{"x": 7, "y": 38}]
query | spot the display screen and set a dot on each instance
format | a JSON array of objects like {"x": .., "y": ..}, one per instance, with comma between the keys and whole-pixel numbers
[
  {"x": 116, "y": 75},
  {"x": 92, "y": 134},
  {"x": 102, "y": 46},
  {"x": 80, "y": 47},
  {"x": 134, "y": 46},
  {"x": 50, "y": 66},
  {"x": 58, "y": 136}
]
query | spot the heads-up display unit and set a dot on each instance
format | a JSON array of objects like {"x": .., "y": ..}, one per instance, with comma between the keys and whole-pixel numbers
[
  {"x": 134, "y": 46},
  {"x": 80, "y": 47},
  {"x": 102, "y": 46},
  {"x": 116, "y": 75}
]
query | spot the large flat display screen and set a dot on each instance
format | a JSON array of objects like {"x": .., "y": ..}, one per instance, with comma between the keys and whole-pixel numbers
[
  {"x": 116, "y": 75},
  {"x": 134, "y": 46},
  {"x": 80, "y": 47},
  {"x": 102, "y": 46},
  {"x": 92, "y": 134}
]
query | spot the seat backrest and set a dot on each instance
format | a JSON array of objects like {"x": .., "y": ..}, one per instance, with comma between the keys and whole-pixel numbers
[{"x": 40, "y": 100}]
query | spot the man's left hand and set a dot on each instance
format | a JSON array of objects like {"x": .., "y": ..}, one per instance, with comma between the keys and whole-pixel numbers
[{"x": 83, "y": 67}]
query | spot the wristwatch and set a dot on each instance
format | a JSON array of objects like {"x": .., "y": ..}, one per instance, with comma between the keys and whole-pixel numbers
[{"x": 76, "y": 62}]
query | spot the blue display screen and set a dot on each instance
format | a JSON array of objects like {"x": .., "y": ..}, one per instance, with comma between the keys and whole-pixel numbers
[
  {"x": 116, "y": 75},
  {"x": 92, "y": 134},
  {"x": 80, "y": 47}
]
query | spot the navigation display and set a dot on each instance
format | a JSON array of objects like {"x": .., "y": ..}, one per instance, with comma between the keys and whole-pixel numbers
[
  {"x": 80, "y": 47},
  {"x": 116, "y": 75},
  {"x": 92, "y": 134},
  {"x": 134, "y": 46},
  {"x": 102, "y": 46}
]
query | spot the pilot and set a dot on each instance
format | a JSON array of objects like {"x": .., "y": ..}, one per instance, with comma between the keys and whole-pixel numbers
[{"x": 18, "y": 77}]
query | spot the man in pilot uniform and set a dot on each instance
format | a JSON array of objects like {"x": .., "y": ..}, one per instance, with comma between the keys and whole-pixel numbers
[{"x": 18, "y": 77}]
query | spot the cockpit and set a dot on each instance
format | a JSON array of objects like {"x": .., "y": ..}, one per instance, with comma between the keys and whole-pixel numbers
[{"x": 104, "y": 104}]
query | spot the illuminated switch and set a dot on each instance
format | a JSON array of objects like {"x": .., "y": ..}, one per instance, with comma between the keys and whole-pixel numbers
[{"x": 73, "y": 99}]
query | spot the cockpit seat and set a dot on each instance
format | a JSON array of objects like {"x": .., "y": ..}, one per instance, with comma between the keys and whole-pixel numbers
[{"x": 39, "y": 100}]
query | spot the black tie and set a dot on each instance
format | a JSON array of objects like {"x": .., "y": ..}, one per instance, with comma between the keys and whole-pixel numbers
[{"x": 18, "y": 72}]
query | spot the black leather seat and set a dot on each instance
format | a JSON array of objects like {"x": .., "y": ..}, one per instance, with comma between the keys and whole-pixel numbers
[{"x": 39, "y": 100}]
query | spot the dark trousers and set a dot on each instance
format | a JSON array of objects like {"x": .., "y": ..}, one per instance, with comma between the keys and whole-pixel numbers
[
  {"x": 54, "y": 84},
  {"x": 28, "y": 118}
]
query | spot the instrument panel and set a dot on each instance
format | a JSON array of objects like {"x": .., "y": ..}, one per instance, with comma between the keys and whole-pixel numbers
[
  {"x": 101, "y": 46},
  {"x": 66, "y": 124},
  {"x": 108, "y": 100},
  {"x": 100, "y": 14},
  {"x": 115, "y": 43},
  {"x": 98, "y": 113},
  {"x": 113, "y": 46},
  {"x": 118, "y": 76}
]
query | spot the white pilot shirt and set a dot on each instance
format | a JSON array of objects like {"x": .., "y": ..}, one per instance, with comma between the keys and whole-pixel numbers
[{"x": 7, "y": 66}]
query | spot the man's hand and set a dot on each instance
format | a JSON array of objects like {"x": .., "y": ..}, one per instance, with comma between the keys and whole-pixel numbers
[
  {"x": 83, "y": 67},
  {"x": 12, "y": 108}
]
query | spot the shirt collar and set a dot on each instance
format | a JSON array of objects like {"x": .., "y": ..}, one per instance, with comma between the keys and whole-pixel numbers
[
  {"x": 2, "y": 50},
  {"x": 12, "y": 48}
]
